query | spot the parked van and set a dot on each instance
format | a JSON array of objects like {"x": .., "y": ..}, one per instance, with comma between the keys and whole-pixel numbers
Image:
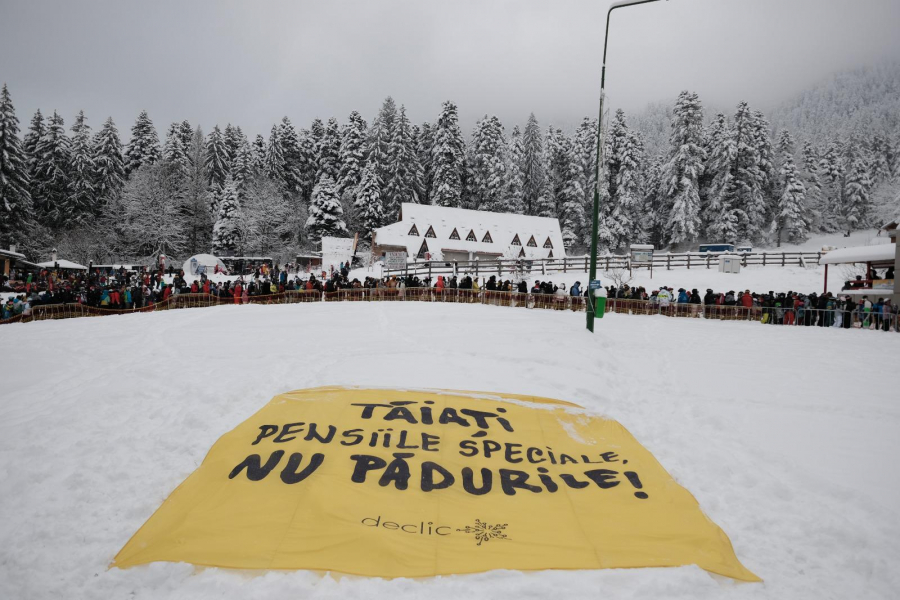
[{"x": 717, "y": 248}]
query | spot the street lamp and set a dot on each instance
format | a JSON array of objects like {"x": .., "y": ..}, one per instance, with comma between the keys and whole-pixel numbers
[{"x": 596, "y": 212}]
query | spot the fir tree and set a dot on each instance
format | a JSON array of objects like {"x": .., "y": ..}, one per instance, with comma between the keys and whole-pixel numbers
[
  {"x": 368, "y": 203},
  {"x": 242, "y": 168},
  {"x": 198, "y": 200},
  {"x": 82, "y": 200},
  {"x": 109, "y": 163},
  {"x": 53, "y": 175},
  {"x": 186, "y": 133},
  {"x": 234, "y": 138},
  {"x": 33, "y": 136},
  {"x": 402, "y": 167},
  {"x": 585, "y": 151},
  {"x": 746, "y": 191},
  {"x": 379, "y": 142},
  {"x": 275, "y": 156},
  {"x": 326, "y": 215},
  {"x": 682, "y": 172},
  {"x": 831, "y": 175},
  {"x": 226, "y": 231},
  {"x": 294, "y": 162},
  {"x": 512, "y": 201},
  {"x": 856, "y": 209},
  {"x": 424, "y": 146},
  {"x": 307, "y": 165},
  {"x": 15, "y": 195},
  {"x": 791, "y": 210},
  {"x": 352, "y": 154},
  {"x": 720, "y": 217},
  {"x": 534, "y": 174},
  {"x": 143, "y": 149},
  {"x": 216, "y": 158},
  {"x": 329, "y": 151},
  {"x": 448, "y": 158},
  {"x": 624, "y": 152},
  {"x": 489, "y": 165},
  {"x": 174, "y": 150},
  {"x": 259, "y": 154},
  {"x": 813, "y": 187}
]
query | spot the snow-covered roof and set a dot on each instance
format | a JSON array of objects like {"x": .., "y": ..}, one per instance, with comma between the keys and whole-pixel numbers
[
  {"x": 11, "y": 254},
  {"x": 493, "y": 233},
  {"x": 860, "y": 254},
  {"x": 63, "y": 264}
]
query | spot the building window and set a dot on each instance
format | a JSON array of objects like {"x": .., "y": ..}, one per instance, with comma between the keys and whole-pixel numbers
[
  {"x": 522, "y": 253},
  {"x": 471, "y": 237},
  {"x": 548, "y": 244},
  {"x": 430, "y": 232},
  {"x": 414, "y": 230},
  {"x": 550, "y": 255},
  {"x": 423, "y": 249},
  {"x": 487, "y": 238},
  {"x": 454, "y": 235},
  {"x": 532, "y": 243},
  {"x": 516, "y": 241}
]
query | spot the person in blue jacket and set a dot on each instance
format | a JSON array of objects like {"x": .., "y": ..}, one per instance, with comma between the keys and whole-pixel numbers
[
  {"x": 683, "y": 296},
  {"x": 576, "y": 289}
]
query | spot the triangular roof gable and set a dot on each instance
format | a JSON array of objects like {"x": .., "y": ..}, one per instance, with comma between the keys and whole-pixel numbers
[
  {"x": 516, "y": 241},
  {"x": 548, "y": 243},
  {"x": 550, "y": 255},
  {"x": 430, "y": 232},
  {"x": 532, "y": 243},
  {"x": 471, "y": 237},
  {"x": 487, "y": 239},
  {"x": 454, "y": 235},
  {"x": 414, "y": 230},
  {"x": 522, "y": 253},
  {"x": 422, "y": 249}
]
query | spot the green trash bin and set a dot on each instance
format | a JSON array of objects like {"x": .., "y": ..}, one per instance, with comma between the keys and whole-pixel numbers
[{"x": 599, "y": 306}]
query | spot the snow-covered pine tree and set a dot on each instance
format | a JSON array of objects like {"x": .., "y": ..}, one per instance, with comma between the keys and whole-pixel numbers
[
  {"x": 719, "y": 215},
  {"x": 186, "y": 133},
  {"x": 379, "y": 140},
  {"x": 35, "y": 132},
  {"x": 585, "y": 150},
  {"x": 368, "y": 205},
  {"x": 352, "y": 154},
  {"x": 810, "y": 175},
  {"x": 233, "y": 137},
  {"x": 654, "y": 202},
  {"x": 831, "y": 176},
  {"x": 746, "y": 193},
  {"x": 216, "y": 158},
  {"x": 174, "y": 151},
  {"x": 82, "y": 202},
  {"x": 226, "y": 231},
  {"x": 768, "y": 169},
  {"x": 242, "y": 164},
  {"x": 109, "y": 163},
  {"x": 326, "y": 215},
  {"x": 402, "y": 166},
  {"x": 143, "y": 148},
  {"x": 197, "y": 216},
  {"x": 275, "y": 156},
  {"x": 856, "y": 198},
  {"x": 424, "y": 145},
  {"x": 682, "y": 172},
  {"x": 791, "y": 212},
  {"x": 15, "y": 194},
  {"x": 307, "y": 166},
  {"x": 330, "y": 151},
  {"x": 534, "y": 173},
  {"x": 53, "y": 177},
  {"x": 512, "y": 201},
  {"x": 448, "y": 158},
  {"x": 624, "y": 157},
  {"x": 259, "y": 154},
  {"x": 565, "y": 193},
  {"x": 294, "y": 162},
  {"x": 488, "y": 165}
]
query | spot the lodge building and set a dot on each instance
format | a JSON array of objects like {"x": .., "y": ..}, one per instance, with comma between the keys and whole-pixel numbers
[{"x": 429, "y": 232}]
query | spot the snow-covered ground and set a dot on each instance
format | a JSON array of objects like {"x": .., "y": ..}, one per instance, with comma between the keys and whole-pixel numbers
[{"x": 786, "y": 436}]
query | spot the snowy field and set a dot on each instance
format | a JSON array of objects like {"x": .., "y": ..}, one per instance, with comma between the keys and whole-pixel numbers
[{"x": 786, "y": 436}]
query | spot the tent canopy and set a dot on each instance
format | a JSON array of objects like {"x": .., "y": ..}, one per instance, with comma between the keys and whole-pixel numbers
[
  {"x": 860, "y": 254},
  {"x": 63, "y": 264},
  {"x": 193, "y": 265}
]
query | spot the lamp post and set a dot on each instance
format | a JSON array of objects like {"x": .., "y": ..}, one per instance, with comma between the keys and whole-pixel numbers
[{"x": 596, "y": 213}]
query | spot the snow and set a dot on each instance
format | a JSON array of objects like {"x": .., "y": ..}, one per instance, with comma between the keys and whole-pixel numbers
[
  {"x": 63, "y": 264},
  {"x": 880, "y": 252},
  {"x": 785, "y": 442},
  {"x": 202, "y": 260}
]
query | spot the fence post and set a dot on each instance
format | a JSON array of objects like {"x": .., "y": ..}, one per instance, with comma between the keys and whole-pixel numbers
[
  {"x": 564, "y": 264},
  {"x": 544, "y": 266},
  {"x": 782, "y": 259},
  {"x": 668, "y": 262},
  {"x": 585, "y": 263},
  {"x": 764, "y": 258},
  {"x": 707, "y": 260},
  {"x": 689, "y": 260}
]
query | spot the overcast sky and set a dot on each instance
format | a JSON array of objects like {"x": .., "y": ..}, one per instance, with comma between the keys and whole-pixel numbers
[{"x": 250, "y": 63}]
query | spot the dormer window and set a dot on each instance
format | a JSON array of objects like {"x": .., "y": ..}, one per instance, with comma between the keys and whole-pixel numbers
[
  {"x": 548, "y": 244},
  {"x": 516, "y": 241},
  {"x": 454, "y": 235},
  {"x": 414, "y": 230},
  {"x": 532, "y": 243},
  {"x": 487, "y": 238},
  {"x": 471, "y": 237},
  {"x": 423, "y": 249},
  {"x": 430, "y": 232}
]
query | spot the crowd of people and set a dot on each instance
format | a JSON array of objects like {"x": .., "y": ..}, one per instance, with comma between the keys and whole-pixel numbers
[{"x": 123, "y": 290}]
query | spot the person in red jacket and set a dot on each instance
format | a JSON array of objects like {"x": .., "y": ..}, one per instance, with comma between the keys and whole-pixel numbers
[
  {"x": 237, "y": 293},
  {"x": 195, "y": 288},
  {"x": 206, "y": 287}
]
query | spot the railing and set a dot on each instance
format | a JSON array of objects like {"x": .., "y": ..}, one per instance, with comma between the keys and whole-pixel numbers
[
  {"x": 767, "y": 315},
  {"x": 580, "y": 264}
]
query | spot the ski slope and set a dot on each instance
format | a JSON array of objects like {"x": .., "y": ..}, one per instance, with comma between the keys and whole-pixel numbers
[{"x": 786, "y": 436}]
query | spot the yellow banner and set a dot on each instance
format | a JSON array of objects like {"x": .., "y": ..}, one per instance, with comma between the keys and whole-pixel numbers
[{"x": 395, "y": 483}]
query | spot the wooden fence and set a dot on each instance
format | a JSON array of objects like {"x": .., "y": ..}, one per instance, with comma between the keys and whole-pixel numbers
[{"x": 545, "y": 266}]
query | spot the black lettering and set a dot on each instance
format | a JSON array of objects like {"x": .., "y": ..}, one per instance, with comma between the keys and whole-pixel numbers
[
  {"x": 610, "y": 457},
  {"x": 255, "y": 469},
  {"x": 510, "y": 480},
  {"x": 534, "y": 451},
  {"x": 290, "y": 475},
  {"x": 430, "y": 442},
  {"x": 469, "y": 483},
  {"x": 377, "y": 521},
  {"x": 352, "y": 433},
  {"x": 289, "y": 429},
  {"x": 510, "y": 452},
  {"x": 564, "y": 458},
  {"x": 400, "y": 412},
  {"x": 364, "y": 464},
  {"x": 469, "y": 448},
  {"x": 479, "y": 416},
  {"x": 369, "y": 409},
  {"x": 428, "y": 470},
  {"x": 313, "y": 434},
  {"x": 545, "y": 479},
  {"x": 604, "y": 478},
  {"x": 490, "y": 446},
  {"x": 448, "y": 415},
  {"x": 397, "y": 471},
  {"x": 427, "y": 419},
  {"x": 572, "y": 482},
  {"x": 437, "y": 530},
  {"x": 401, "y": 444},
  {"x": 264, "y": 432}
]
